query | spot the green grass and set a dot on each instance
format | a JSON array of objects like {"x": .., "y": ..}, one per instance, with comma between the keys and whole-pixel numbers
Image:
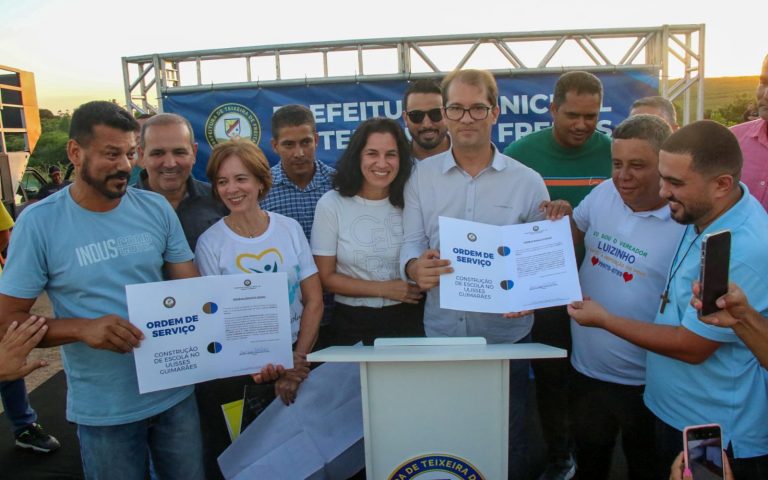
[
  {"x": 719, "y": 92},
  {"x": 722, "y": 91}
]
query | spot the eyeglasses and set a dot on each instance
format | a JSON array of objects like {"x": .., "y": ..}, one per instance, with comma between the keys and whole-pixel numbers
[
  {"x": 476, "y": 112},
  {"x": 417, "y": 116}
]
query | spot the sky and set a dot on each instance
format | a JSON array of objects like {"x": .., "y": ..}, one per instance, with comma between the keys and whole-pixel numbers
[{"x": 75, "y": 47}]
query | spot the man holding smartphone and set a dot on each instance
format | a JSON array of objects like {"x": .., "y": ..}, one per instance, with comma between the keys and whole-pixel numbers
[
  {"x": 737, "y": 313},
  {"x": 698, "y": 373}
]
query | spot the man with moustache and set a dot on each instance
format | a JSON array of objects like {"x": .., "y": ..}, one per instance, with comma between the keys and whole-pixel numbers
[
  {"x": 423, "y": 116},
  {"x": 572, "y": 157},
  {"x": 472, "y": 181},
  {"x": 699, "y": 373},
  {"x": 167, "y": 150},
  {"x": 626, "y": 226},
  {"x": 83, "y": 245},
  {"x": 299, "y": 179},
  {"x": 753, "y": 140}
]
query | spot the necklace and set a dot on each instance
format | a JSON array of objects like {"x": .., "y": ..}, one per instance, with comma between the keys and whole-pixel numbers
[
  {"x": 243, "y": 231},
  {"x": 665, "y": 296}
]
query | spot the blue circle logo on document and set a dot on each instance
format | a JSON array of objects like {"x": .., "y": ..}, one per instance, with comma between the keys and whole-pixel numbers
[{"x": 436, "y": 467}]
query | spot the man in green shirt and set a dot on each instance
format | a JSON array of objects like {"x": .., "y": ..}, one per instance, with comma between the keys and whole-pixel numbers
[{"x": 572, "y": 157}]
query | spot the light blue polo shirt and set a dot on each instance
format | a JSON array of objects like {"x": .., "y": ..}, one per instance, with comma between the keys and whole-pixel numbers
[
  {"x": 729, "y": 388},
  {"x": 84, "y": 260}
]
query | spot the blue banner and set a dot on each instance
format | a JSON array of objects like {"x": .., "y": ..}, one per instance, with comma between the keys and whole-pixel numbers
[{"x": 340, "y": 107}]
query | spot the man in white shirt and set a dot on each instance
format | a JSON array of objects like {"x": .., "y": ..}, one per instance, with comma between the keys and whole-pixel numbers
[
  {"x": 630, "y": 239},
  {"x": 471, "y": 181}
]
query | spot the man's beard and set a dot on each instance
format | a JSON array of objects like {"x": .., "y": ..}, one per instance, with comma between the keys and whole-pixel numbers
[
  {"x": 101, "y": 186},
  {"x": 691, "y": 211},
  {"x": 429, "y": 144}
]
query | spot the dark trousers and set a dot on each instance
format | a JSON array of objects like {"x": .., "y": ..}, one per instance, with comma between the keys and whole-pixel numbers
[
  {"x": 669, "y": 443},
  {"x": 600, "y": 410},
  {"x": 364, "y": 324},
  {"x": 552, "y": 326},
  {"x": 517, "y": 461},
  {"x": 324, "y": 334}
]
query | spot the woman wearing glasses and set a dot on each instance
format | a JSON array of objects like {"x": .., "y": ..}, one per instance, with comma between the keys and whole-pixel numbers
[{"x": 357, "y": 235}]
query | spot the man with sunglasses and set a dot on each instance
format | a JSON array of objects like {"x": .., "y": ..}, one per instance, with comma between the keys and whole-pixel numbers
[
  {"x": 573, "y": 158},
  {"x": 423, "y": 116},
  {"x": 473, "y": 181}
]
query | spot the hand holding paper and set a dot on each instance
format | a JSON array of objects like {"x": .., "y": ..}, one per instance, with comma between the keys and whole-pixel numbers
[
  {"x": 113, "y": 333},
  {"x": 589, "y": 313},
  {"x": 509, "y": 268},
  {"x": 426, "y": 269},
  {"x": 556, "y": 209},
  {"x": 269, "y": 373},
  {"x": 198, "y": 329}
]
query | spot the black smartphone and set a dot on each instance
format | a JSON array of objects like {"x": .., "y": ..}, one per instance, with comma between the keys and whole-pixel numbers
[
  {"x": 715, "y": 261},
  {"x": 703, "y": 448}
]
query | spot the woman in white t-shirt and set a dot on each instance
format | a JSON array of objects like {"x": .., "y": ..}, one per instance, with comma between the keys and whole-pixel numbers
[
  {"x": 252, "y": 240},
  {"x": 357, "y": 235}
]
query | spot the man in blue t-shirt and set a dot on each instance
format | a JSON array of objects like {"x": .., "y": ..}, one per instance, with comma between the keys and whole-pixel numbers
[
  {"x": 83, "y": 245},
  {"x": 699, "y": 373}
]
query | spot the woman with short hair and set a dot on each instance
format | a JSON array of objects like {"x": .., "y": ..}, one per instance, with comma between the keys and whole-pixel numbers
[{"x": 252, "y": 240}]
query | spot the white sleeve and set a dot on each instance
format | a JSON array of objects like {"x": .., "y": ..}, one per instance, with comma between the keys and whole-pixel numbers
[
  {"x": 581, "y": 212},
  {"x": 206, "y": 259},
  {"x": 325, "y": 228},
  {"x": 416, "y": 241}
]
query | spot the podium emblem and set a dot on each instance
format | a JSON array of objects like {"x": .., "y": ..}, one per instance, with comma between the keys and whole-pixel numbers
[{"x": 436, "y": 466}]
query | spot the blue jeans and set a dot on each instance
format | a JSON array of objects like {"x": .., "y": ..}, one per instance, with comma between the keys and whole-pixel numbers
[
  {"x": 16, "y": 404},
  {"x": 517, "y": 464},
  {"x": 119, "y": 452}
]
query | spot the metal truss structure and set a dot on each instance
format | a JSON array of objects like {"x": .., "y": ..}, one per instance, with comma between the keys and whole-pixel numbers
[{"x": 674, "y": 52}]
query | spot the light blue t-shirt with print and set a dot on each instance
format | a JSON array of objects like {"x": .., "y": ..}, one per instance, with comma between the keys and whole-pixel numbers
[{"x": 83, "y": 260}]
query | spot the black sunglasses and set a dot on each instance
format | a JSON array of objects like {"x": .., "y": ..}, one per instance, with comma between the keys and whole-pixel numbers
[{"x": 417, "y": 116}]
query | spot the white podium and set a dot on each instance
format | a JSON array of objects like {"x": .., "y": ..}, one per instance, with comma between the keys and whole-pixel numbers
[{"x": 435, "y": 404}]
